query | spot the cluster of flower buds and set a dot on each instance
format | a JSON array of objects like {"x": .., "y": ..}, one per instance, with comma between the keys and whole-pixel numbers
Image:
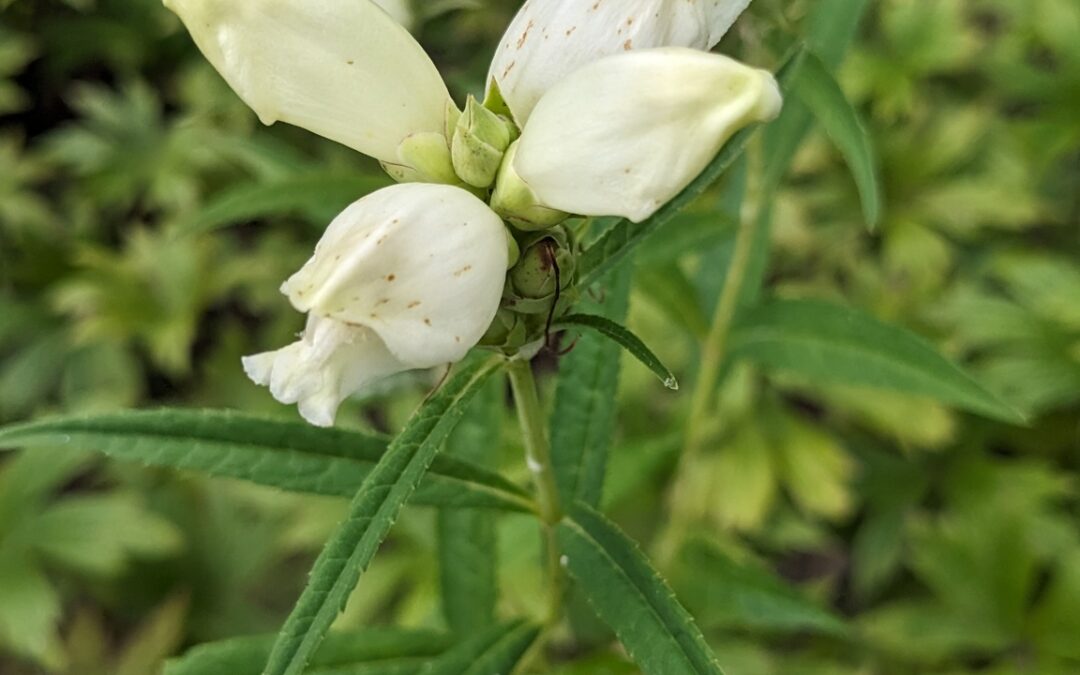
[{"x": 592, "y": 109}]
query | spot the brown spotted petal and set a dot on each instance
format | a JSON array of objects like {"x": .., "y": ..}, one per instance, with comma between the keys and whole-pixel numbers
[{"x": 408, "y": 277}]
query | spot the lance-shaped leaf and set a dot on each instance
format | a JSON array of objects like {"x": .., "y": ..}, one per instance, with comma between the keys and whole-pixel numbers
[
  {"x": 247, "y": 655},
  {"x": 629, "y": 595},
  {"x": 497, "y": 649},
  {"x": 625, "y": 339},
  {"x": 831, "y": 28},
  {"x": 817, "y": 88},
  {"x": 831, "y": 343},
  {"x": 621, "y": 239},
  {"x": 467, "y": 545},
  {"x": 282, "y": 454},
  {"x": 371, "y": 515},
  {"x": 583, "y": 421}
]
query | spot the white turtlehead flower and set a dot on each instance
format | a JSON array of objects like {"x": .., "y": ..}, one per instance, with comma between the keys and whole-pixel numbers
[
  {"x": 625, "y": 134},
  {"x": 617, "y": 113},
  {"x": 550, "y": 39},
  {"x": 408, "y": 277},
  {"x": 343, "y": 69}
]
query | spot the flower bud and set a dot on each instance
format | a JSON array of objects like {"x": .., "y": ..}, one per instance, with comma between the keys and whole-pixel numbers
[
  {"x": 546, "y": 265},
  {"x": 343, "y": 69},
  {"x": 408, "y": 277},
  {"x": 479, "y": 142},
  {"x": 515, "y": 201},
  {"x": 550, "y": 39},
  {"x": 625, "y": 134}
]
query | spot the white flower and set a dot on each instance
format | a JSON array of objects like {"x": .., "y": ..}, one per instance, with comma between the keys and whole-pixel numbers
[
  {"x": 408, "y": 277},
  {"x": 550, "y": 39},
  {"x": 343, "y": 69},
  {"x": 617, "y": 115},
  {"x": 623, "y": 135}
]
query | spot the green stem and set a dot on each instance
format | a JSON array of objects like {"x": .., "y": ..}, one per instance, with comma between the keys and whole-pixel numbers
[
  {"x": 538, "y": 456},
  {"x": 713, "y": 354}
]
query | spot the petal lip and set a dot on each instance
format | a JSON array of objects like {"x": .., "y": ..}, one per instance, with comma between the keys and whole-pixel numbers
[
  {"x": 343, "y": 69},
  {"x": 550, "y": 39},
  {"x": 679, "y": 106},
  {"x": 330, "y": 362},
  {"x": 421, "y": 265}
]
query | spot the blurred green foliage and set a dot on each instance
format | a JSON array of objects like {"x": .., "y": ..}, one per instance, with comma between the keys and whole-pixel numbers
[{"x": 870, "y": 532}]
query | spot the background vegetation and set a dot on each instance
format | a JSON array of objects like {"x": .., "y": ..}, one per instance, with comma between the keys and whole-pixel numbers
[{"x": 147, "y": 219}]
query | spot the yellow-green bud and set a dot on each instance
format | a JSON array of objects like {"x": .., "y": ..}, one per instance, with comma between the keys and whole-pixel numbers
[
  {"x": 479, "y": 141},
  {"x": 424, "y": 158},
  {"x": 515, "y": 201}
]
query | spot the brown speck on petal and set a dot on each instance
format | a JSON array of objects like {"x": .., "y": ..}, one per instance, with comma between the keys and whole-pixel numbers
[{"x": 391, "y": 277}]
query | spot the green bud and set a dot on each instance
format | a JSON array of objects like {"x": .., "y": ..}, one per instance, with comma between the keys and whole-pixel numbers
[
  {"x": 424, "y": 158},
  {"x": 546, "y": 265},
  {"x": 480, "y": 139},
  {"x": 516, "y": 202}
]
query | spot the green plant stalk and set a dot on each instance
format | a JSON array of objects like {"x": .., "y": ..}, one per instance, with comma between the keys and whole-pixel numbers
[
  {"x": 538, "y": 457},
  {"x": 713, "y": 354}
]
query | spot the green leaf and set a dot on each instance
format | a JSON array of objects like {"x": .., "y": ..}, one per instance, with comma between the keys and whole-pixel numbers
[
  {"x": 821, "y": 93},
  {"x": 669, "y": 290},
  {"x": 371, "y": 515},
  {"x": 248, "y": 655},
  {"x": 625, "y": 339},
  {"x": 494, "y": 650},
  {"x": 602, "y": 255},
  {"x": 831, "y": 28},
  {"x": 583, "y": 421},
  {"x": 288, "y": 455},
  {"x": 97, "y": 534},
  {"x": 831, "y": 343},
  {"x": 30, "y": 611},
  {"x": 732, "y": 595},
  {"x": 628, "y": 594},
  {"x": 467, "y": 545},
  {"x": 317, "y": 194}
]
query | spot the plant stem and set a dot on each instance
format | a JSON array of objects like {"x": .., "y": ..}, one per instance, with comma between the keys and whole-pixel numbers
[
  {"x": 713, "y": 354},
  {"x": 538, "y": 457}
]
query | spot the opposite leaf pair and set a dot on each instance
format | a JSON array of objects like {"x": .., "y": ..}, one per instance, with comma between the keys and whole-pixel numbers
[{"x": 617, "y": 111}]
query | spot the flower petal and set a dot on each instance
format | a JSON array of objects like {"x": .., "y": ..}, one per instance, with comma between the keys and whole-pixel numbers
[
  {"x": 421, "y": 265},
  {"x": 550, "y": 39},
  {"x": 625, "y": 134},
  {"x": 330, "y": 362},
  {"x": 399, "y": 10},
  {"x": 343, "y": 69}
]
